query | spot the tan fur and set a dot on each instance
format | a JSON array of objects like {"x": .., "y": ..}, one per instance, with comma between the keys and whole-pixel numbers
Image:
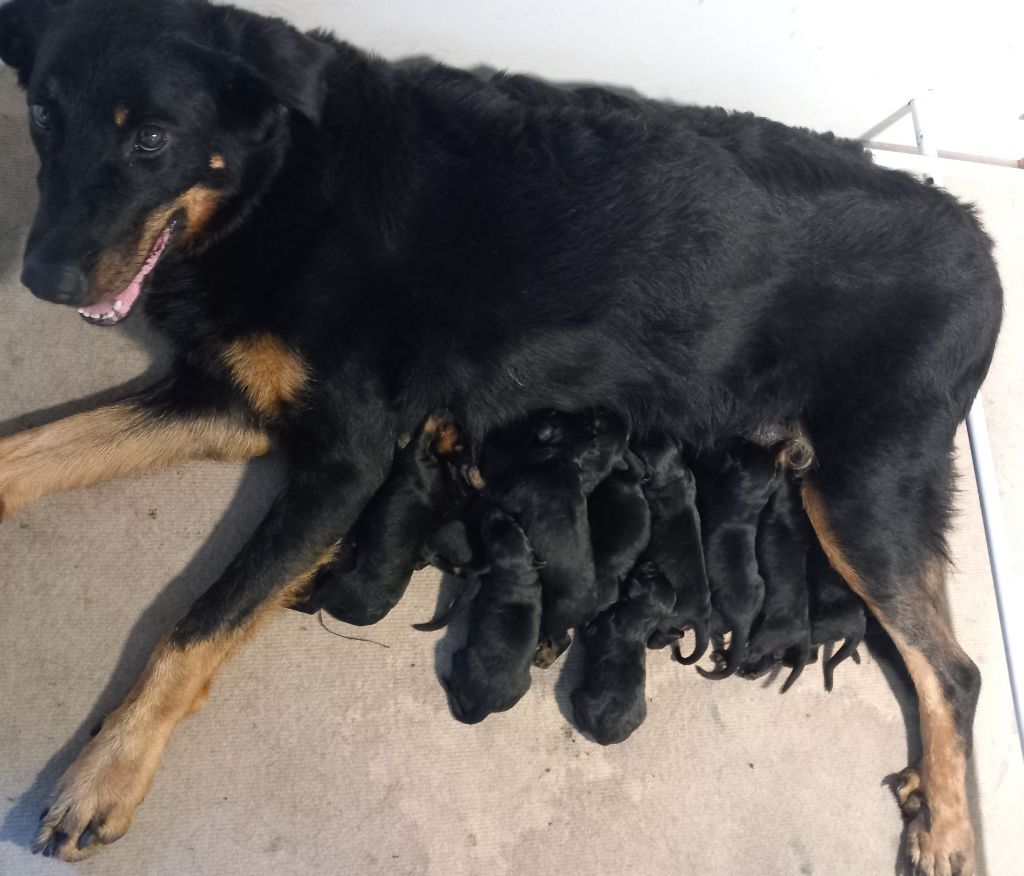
[
  {"x": 268, "y": 371},
  {"x": 216, "y": 161},
  {"x": 797, "y": 453},
  {"x": 118, "y": 265},
  {"x": 112, "y": 774},
  {"x": 942, "y": 774},
  {"x": 121, "y": 116},
  {"x": 116, "y": 441}
]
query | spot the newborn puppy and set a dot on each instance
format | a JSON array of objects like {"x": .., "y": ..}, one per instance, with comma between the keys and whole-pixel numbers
[
  {"x": 732, "y": 491},
  {"x": 783, "y": 630},
  {"x": 492, "y": 672},
  {"x": 620, "y": 526},
  {"x": 612, "y": 701},
  {"x": 544, "y": 490},
  {"x": 836, "y": 612},
  {"x": 675, "y": 546},
  {"x": 390, "y": 534}
]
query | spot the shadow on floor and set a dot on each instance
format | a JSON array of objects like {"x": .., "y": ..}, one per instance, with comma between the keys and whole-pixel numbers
[{"x": 258, "y": 486}]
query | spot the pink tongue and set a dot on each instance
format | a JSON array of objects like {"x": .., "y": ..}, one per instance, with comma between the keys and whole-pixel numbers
[{"x": 120, "y": 305}]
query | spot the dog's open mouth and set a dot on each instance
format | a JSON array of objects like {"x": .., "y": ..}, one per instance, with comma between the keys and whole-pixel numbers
[{"x": 112, "y": 310}]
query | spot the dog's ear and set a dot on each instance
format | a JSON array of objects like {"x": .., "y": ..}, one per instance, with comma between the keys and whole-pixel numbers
[
  {"x": 22, "y": 23},
  {"x": 285, "y": 62}
]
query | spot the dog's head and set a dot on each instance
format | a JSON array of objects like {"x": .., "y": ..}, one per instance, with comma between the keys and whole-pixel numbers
[{"x": 157, "y": 123}]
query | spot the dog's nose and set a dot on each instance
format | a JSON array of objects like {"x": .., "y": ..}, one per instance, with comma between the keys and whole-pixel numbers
[{"x": 60, "y": 283}]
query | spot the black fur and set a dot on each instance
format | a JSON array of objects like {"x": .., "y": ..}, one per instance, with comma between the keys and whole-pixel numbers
[
  {"x": 732, "y": 491},
  {"x": 836, "y": 613},
  {"x": 391, "y": 535},
  {"x": 620, "y": 526},
  {"x": 783, "y": 629},
  {"x": 422, "y": 238},
  {"x": 492, "y": 672},
  {"x": 611, "y": 703},
  {"x": 675, "y": 547},
  {"x": 544, "y": 493}
]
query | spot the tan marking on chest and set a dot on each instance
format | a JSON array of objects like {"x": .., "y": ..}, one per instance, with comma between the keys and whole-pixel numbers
[{"x": 269, "y": 372}]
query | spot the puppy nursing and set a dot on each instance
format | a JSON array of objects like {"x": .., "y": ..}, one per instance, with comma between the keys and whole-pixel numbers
[{"x": 562, "y": 522}]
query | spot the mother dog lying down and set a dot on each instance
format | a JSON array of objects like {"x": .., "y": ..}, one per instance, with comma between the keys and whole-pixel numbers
[{"x": 337, "y": 246}]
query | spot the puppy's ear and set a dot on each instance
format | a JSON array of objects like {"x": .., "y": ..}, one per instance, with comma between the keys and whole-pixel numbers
[
  {"x": 22, "y": 23},
  {"x": 290, "y": 65}
]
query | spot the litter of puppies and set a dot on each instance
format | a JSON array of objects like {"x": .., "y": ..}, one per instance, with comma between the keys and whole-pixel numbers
[{"x": 560, "y": 522}]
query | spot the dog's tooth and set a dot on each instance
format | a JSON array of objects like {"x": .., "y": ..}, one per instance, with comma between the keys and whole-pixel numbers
[{"x": 118, "y": 305}]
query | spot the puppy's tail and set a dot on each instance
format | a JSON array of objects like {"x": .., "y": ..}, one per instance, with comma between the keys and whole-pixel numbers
[
  {"x": 799, "y": 662},
  {"x": 702, "y": 637},
  {"x": 444, "y": 617},
  {"x": 849, "y": 649},
  {"x": 734, "y": 656}
]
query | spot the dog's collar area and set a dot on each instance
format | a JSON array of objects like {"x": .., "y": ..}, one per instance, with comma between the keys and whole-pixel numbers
[{"x": 112, "y": 310}]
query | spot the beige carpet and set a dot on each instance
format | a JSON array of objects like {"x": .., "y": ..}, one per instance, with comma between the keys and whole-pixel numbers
[{"x": 323, "y": 754}]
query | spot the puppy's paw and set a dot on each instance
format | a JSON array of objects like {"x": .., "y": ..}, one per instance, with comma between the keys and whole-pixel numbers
[
  {"x": 549, "y": 651},
  {"x": 97, "y": 796},
  {"x": 442, "y": 435}
]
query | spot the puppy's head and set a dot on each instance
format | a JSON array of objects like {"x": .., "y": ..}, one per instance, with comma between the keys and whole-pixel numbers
[
  {"x": 157, "y": 123},
  {"x": 608, "y": 436},
  {"x": 665, "y": 467}
]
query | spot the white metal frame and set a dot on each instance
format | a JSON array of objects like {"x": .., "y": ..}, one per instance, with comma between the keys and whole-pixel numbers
[{"x": 1009, "y": 600}]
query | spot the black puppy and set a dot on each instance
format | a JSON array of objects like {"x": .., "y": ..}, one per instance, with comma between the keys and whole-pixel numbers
[
  {"x": 733, "y": 490},
  {"x": 836, "y": 612},
  {"x": 604, "y": 476},
  {"x": 492, "y": 672},
  {"x": 675, "y": 547},
  {"x": 783, "y": 630},
  {"x": 620, "y": 526},
  {"x": 612, "y": 703},
  {"x": 545, "y": 491},
  {"x": 390, "y": 539}
]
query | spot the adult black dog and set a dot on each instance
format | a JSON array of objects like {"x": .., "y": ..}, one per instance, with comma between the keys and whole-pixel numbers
[{"x": 337, "y": 246}]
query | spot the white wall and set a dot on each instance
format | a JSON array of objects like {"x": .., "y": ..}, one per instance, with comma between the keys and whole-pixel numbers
[{"x": 843, "y": 66}]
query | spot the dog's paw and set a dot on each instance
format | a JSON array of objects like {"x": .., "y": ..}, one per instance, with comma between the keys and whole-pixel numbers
[
  {"x": 441, "y": 435},
  {"x": 940, "y": 840},
  {"x": 96, "y": 797}
]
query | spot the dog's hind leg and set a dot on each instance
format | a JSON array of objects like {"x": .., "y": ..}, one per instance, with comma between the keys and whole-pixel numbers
[
  {"x": 880, "y": 535},
  {"x": 176, "y": 420}
]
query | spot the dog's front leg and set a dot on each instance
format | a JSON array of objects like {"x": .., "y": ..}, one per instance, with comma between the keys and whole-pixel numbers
[
  {"x": 97, "y": 796},
  {"x": 185, "y": 416}
]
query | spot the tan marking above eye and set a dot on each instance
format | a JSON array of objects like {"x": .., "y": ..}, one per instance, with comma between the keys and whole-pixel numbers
[
  {"x": 121, "y": 116},
  {"x": 216, "y": 161}
]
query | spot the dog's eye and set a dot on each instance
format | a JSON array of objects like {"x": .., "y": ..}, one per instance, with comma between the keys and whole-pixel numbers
[
  {"x": 150, "y": 138},
  {"x": 41, "y": 117}
]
